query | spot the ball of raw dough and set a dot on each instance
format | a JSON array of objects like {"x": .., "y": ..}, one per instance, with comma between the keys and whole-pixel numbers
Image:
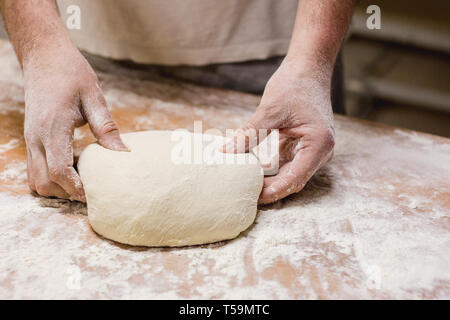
[{"x": 155, "y": 196}]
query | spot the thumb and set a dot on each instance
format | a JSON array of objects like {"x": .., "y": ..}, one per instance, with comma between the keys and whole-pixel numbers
[
  {"x": 251, "y": 134},
  {"x": 102, "y": 124}
]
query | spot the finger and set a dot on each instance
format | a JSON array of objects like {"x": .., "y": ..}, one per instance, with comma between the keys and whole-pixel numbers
[
  {"x": 257, "y": 128},
  {"x": 278, "y": 187},
  {"x": 59, "y": 155},
  {"x": 30, "y": 177},
  {"x": 100, "y": 120},
  {"x": 70, "y": 181},
  {"x": 309, "y": 154},
  {"x": 292, "y": 176},
  {"x": 42, "y": 183},
  {"x": 243, "y": 140},
  {"x": 286, "y": 149}
]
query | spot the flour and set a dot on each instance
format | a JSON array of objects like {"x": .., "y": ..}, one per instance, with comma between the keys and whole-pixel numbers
[
  {"x": 364, "y": 227},
  {"x": 11, "y": 144},
  {"x": 336, "y": 239},
  {"x": 339, "y": 234},
  {"x": 14, "y": 171}
]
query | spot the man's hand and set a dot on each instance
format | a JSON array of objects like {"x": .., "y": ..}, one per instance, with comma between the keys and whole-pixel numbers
[
  {"x": 61, "y": 93},
  {"x": 298, "y": 104},
  {"x": 296, "y": 99}
]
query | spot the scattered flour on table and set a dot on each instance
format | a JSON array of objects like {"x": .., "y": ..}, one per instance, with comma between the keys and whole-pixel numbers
[
  {"x": 334, "y": 237},
  {"x": 11, "y": 144},
  {"x": 337, "y": 239},
  {"x": 15, "y": 171}
]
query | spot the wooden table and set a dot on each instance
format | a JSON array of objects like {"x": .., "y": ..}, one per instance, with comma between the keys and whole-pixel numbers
[{"x": 374, "y": 223}]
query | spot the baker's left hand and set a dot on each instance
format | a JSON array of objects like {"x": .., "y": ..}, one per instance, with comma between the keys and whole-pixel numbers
[{"x": 297, "y": 102}]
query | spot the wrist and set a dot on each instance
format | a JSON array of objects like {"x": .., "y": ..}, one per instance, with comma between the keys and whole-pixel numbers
[
  {"x": 47, "y": 49},
  {"x": 305, "y": 67},
  {"x": 33, "y": 27}
]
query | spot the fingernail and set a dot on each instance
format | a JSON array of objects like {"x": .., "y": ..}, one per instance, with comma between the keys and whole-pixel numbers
[{"x": 118, "y": 145}]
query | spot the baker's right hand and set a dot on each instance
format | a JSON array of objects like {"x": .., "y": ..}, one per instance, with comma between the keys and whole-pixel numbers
[{"x": 61, "y": 93}]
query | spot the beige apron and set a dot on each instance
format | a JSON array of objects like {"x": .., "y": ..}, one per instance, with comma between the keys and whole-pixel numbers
[{"x": 183, "y": 32}]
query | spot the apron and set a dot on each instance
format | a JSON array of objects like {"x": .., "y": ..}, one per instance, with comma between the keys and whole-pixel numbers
[{"x": 183, "y": 32}]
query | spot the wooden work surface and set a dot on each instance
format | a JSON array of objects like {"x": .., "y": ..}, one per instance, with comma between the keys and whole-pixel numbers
[{"x": 374, "y": 223}]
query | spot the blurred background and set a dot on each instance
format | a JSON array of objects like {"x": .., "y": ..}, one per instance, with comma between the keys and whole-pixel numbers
[{"x": 398, "y": 75}]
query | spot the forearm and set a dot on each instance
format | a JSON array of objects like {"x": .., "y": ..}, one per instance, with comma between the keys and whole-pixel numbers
[
  {"x": 33, "y": 25},
  {"x": 319, "y": 30}
]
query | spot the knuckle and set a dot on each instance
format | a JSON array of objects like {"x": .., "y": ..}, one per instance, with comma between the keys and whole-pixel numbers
[
  {"x": 109, "y": 127},
  {"x": 328, "y": 139},
  {"x": 55, "y": 173},
  {"x": 271, "y": 110}
]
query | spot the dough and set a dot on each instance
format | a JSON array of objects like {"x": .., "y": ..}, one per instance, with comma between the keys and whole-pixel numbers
[{"x": 152, "y": 197}]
